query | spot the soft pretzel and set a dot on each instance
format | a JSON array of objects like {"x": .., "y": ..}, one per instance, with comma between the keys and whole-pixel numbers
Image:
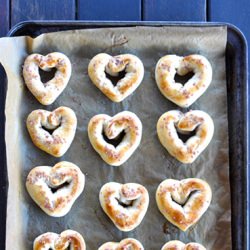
[
  {"x": 104, "y": 63},
  {"x": 183, "y": 202},
  {"x": 68, "y": 239},
  {"x": 183, "y": 96},
  {"x": 126, "y": 244},
  {"x": 46, "y": 93},
  {"x": 112, "y": 126},
  {"x": 63, "y": 123},
  {"x": 125, "y": 204},
  {"x": 194, "y": 120},
  {"x": 178, "y": 245},
  {"x": 55, "y": 189}
]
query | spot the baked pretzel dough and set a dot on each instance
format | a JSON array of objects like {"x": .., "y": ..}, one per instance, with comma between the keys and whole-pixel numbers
[
  {"x": 104, "y": 63},
  {"x": 46, "y": 93},
  {"x": 174, "y": 120},
  {"x": 126, "y": 244},
  {"x": 112, "y": 126},
  {"x": 183, "y": 96},
  {"x": 55, "y": 189},
  {"x": 68, "y": 239},
  {"x": 125, "y": 204},
  {"x": 178, "y": 245},
  {"x": 62, "y": 120},
  {"x": 183, "y": 202}
]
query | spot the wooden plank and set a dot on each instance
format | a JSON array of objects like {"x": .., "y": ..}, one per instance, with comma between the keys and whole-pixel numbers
[
  {"x": 174, "y": 10},
  {"x": 4, "y": 17},
  {"x": 42, "y": 10},
  {"x": 231, "y": 11},
  {"x": 121, "y": 10}
]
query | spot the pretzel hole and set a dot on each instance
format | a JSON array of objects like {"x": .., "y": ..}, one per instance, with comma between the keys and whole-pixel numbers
[
  {"x": 184, "y": 202},
  {"x": 115, "y": 79},
  {"x": 183, "y": 79},
  {"x": 46, "y": 76},
  {"x": 128, "y": 203},
  {"x": 63, "y": 185},
  {"x": 116, "y": 141},
  {"x": 184, "y": 136},
  {"x": 50, "y": 131}
]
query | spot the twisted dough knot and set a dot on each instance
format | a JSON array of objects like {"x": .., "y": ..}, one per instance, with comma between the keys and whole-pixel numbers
[
  {"x": 102, "y": 63},
  {"x": 178, "y": 245},
  {"x": 174, "y": 120},
  {"x": 62, "y": 120},
  {"x": 46, "y": 93},
  {"x": 183, "y": 95},
  {"x": 55, "y": 189},
  {"x": 125, "y": 204},
  {"x": 183, "y": 202},
  {"x": 113, "y": 126},
  {"x": 67, "y": 239},
  {"x": 126, "y": 244}
]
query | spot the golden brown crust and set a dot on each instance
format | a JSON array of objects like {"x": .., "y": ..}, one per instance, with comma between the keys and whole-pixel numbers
[
  {"x": 183, "y": 202},
  {"x": 60, "y": 242},
  {"x": 125, "y": 204},
  {"x": 183, "y": 96},
  {"x": 67, "y": 181},
  {"x": 112, "y": 126},
  {"x": 62, "y": 120},
  {"x": 174, "y": 120},
  {"x": 178, "y": 245},
  {"x": 102, "y": 63},
  {"x": 46, "y": 93},
  {"x": 128, "y": 243}
]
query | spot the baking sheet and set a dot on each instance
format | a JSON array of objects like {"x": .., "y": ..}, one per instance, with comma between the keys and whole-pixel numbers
[{"x": 149, "y": 165}]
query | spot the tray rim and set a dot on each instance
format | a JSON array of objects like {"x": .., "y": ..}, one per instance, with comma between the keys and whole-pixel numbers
[
  {"x": 232, "y": 28},
  {"x": 115, "y": 23}
]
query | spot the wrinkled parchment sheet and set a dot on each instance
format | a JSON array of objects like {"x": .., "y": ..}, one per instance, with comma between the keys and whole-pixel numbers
[{"x": 149, "y": 165}]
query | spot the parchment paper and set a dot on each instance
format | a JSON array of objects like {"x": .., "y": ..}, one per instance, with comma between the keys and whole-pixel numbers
[{"x": 149, "y": 165}]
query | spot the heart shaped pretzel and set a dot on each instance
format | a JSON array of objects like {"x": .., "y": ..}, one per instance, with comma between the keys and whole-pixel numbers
[
  {"x": 46, "y": 93},
  {"x": 68, "y": 239},
  {"x": 183, "y": 202},
  {"x": 62, "y": 121},
  {"x": 183, "y": 96},
  {"x": 124, "y": 121},
  {"x": 178, "y": 245},
  {"x": 126, "y": 244},
  {"x": 194, "y": 120},
  {"x": 104, "y": 63},
  {"x": 125, "y": 204},
  {"x": 55, "y": 189}
]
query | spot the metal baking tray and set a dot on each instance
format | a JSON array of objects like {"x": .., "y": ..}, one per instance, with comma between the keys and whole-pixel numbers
[{"x": 237, "y": 92}]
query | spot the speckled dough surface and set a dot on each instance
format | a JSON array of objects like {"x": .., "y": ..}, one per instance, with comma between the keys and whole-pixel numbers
[
  {"x": 183, "y": 95},
  {"x": 178, "y": 245},
  {"x": 55, "y": 189},
  {"x": 125, "y": 204},
  {"x": 173, "y": 122},
  {"x": 112, "y": 127},
  {"x": 183, "y": 202},
  {"x": 149, "y": 165},
  {"x": 104, "y": 63},
  {"x": 46, "y": 93},
  {"x": 129, "y": 243},
  {"x": 67, "y": 239}
]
